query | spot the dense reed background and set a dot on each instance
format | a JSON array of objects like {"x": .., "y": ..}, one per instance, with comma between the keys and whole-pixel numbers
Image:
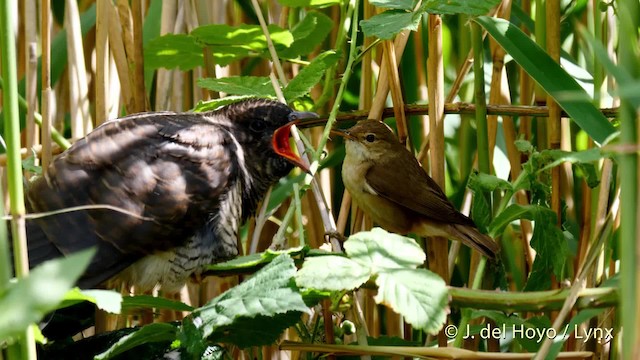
[{"x": 531, "y": 151}]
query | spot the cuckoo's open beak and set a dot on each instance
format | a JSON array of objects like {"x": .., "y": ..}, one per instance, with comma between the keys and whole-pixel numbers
[{"x": 281, "y": 144}]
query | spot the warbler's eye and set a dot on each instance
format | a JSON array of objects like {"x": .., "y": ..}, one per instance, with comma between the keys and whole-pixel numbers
[
  {"x": 258, "y": 125},
  {"x": 370, "y": 138}
]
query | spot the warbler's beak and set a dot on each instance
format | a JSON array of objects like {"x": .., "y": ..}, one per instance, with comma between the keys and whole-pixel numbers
[
  {"x": 280, "y": 140},
  {"x": 344, "y": 133}
]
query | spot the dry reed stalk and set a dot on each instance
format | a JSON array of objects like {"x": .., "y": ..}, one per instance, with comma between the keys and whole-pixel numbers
[
  {"x": 31, "y": 74},
  {"x": 81, "y": 123},
  {"x": 103, "y": 63},
  {"x": 380, "y": 97},
  {"x": 45, "y": 36},
  {"x": 31, "y": 130},
  {"x": 390, "y": 60},
  {"x": 163, "y": 76},
  {"x": 120, "y": 57},
  {"x": 139, "y": 93},
  {"x": 437, "y": 247}
]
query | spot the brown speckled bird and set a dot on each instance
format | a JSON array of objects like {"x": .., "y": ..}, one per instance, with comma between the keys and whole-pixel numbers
[
  {"x": 186, "y": 180},
  {"x": 388, "y": 183}
]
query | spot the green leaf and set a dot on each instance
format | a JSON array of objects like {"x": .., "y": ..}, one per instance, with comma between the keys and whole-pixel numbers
[
  {"x": 551, "y": 248},
  {"x": 253, "y": 260},
  {"x": 479, "y": 182},
  {"x": 215, "y": 104},
  {"x": 255, "y": 310},
  {"x": 310, "y": 3},
  {"x": 334, "y": 273},
  {"x": 245, "y": 36},
  {"x": 307, "y": 35},
  {"x": 255, "y": 86},
  {"x": 153, "y": 302},
  {"x": 386, "y": 25},
  {"x": 150, "y": 333},
  {"x": 419, "y": 295},
  {"x": 32, "y": 297},
  {"x": 524, "y": 146},
  {"x": 511, "y": 213},
  {"x": 560, "y": 156},
  {"x": 469, "y": 7},
  {"x": 173, "y": 51},
  {"x": 394, "y": 4},
  {"x": 550, "y": 76},
  {"x": 621, "y": 75},
  {"x": 378, "y": 250},
  {"x": 106, "y": 300},
  {"x": 151, "y": 30},
  {"x": 319, "y": 4},
  {"x": 548, "y": 240},
  {"x": 310, "y": 75}
]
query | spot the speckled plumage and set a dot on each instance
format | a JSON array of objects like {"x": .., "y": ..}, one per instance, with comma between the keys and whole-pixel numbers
[{"x": 186, "y": 180}]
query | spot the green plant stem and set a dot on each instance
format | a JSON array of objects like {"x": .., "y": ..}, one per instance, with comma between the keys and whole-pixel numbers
[
  {"x": 55, "y": 135},
  {"x": 629, "y": 276},
  {"x": 14, "y": 161},
  {"x": 484, "y": 164},
  {"x": 343, "y": 84},
  {"x": 298, "y": 210},
  {"x": 328, "y": 87}
]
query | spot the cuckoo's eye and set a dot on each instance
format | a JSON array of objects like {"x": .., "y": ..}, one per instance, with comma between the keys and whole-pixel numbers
[
  {"x": 258, "y": 125},
  {"x": 370, "y": 138}
]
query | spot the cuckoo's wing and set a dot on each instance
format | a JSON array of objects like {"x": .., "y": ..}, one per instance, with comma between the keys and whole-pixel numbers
[{"x": 164, "y": 172}]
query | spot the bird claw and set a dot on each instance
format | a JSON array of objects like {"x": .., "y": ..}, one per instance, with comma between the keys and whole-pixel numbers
[{"x": 334, "y": 235}]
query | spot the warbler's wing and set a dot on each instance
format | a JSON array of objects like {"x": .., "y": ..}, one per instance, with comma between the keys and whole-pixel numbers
[{"x": 403, "y": 181}]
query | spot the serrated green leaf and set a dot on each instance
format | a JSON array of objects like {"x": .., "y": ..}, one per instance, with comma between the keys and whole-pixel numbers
[
  {"x": 310, "y": 75},
  {"x": 259, "y": 331},
  {"x": 29, "y": 164},
  {"x": 30, "y": 298},
  {"x": 419, "y": 295},
  {"x": 394, "y": 4},
  {"x": 524, "y": 146},
  {"x": 378, "y": 250},
  {"x": 590, "y": 174},
  {"x": 481, "y": 211},
  {"x": 106, "y": 300},
  {"x": 552, "y": 250},
  {"x": 215, "y": 104},
  {"x": 550, "y": 76},
  {"x": 469, "y": 7},
  {"x": 560, "y": 156},
  {"x": 254, "y": 86},
  {"x": 479, "y": 182},
  {"x": 511, "y": 213},
  {"x": 150, "y": 333},
  {"x": 388, "y": 24},
  {"x": 246, "y": 36},
  {"x": 269, "y": 298},
  {"x": 173, "y": 51},
  {"x": 334, "y": 273},
  {"x": 307, "y": 35},
  {"x": 153, "y": 302}
]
